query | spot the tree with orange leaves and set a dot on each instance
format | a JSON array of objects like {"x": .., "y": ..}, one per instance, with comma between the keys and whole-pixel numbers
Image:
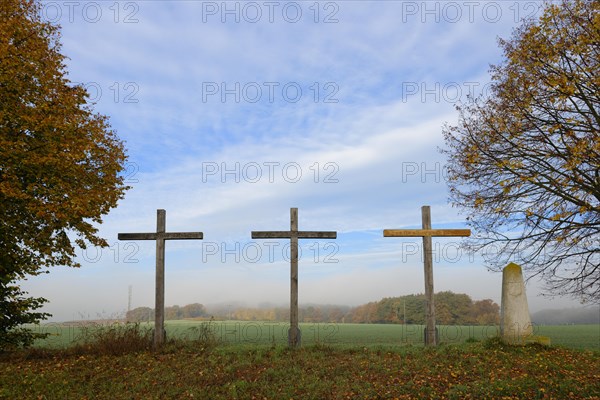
[
  {"x": 524, "y": 162},
  {"x": 60, "y": 164}
]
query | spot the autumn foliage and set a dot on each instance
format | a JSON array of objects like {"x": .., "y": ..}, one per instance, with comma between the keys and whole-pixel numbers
[
  {"x": 484, "y": 370},
  {"x": 60, "y": 162},
  {"x": 524, "y": 163}
]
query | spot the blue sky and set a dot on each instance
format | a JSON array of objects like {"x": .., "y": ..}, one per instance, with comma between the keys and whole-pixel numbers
[{"x": 233, "y": 112}]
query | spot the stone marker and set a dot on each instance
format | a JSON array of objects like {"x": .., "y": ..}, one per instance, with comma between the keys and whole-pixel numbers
[
  {"x": 426, "y": 233},
  {"x": 293, "y": 234},
  {"x": 160, "y": 236},
  {"x": 515, "y": 322}
]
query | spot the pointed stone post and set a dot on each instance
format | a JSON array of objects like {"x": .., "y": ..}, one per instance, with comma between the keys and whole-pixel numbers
[{"x": 515, "y": 321}]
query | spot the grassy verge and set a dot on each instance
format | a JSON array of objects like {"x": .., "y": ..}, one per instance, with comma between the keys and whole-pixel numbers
[{"x": 200, "y": 368}]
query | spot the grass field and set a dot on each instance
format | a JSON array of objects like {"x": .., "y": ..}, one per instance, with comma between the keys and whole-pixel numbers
[{"x": 369, "y": 335}]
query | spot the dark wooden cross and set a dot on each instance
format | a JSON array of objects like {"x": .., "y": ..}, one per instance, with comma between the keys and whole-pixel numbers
[
  {"x": 293, "y": 234},
  {"x": 426, "y": 233},
  {"x": 160, "y": 236}
]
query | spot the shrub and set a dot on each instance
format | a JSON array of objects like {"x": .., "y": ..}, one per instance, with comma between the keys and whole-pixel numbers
[{"x": 113, "y": 339}]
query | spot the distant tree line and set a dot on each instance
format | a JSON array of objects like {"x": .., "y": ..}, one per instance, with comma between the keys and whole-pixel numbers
[
  {"x": 142, "y": 314},
  {"x": 451, "y": 309}
]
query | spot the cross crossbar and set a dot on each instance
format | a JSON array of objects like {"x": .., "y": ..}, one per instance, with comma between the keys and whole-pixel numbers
[
  {"x": 161, "y": 235},
  {"x": 290, "y": 234},
  {"x": 426, "y": 232}
]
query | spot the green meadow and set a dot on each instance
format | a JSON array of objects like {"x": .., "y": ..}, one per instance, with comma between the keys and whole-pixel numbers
[{"x": 262, "y": 333}]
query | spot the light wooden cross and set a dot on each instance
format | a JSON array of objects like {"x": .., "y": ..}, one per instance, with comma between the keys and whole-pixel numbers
[
  {"x": 160, "y": 236},
  {"x": 293, "y": 234},
  {"x": 426, "y": 233}
]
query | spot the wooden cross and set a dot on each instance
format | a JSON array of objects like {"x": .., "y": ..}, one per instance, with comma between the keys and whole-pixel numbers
[
  {"x": 293, "y": 234},
  {"x": 160, "y": 236},
  {"x": 426, "y": 233}
]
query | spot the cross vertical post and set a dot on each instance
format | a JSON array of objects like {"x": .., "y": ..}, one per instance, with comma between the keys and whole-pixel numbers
[
  {"x": 293, "y": 234},
  {"x": 428, "y": 270},
  {"x": 159, "y": 296},
  {"x": 427, "y": 233},
  {"x": 294, "y": 327},
  {"x": 160, "y": 236}
]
